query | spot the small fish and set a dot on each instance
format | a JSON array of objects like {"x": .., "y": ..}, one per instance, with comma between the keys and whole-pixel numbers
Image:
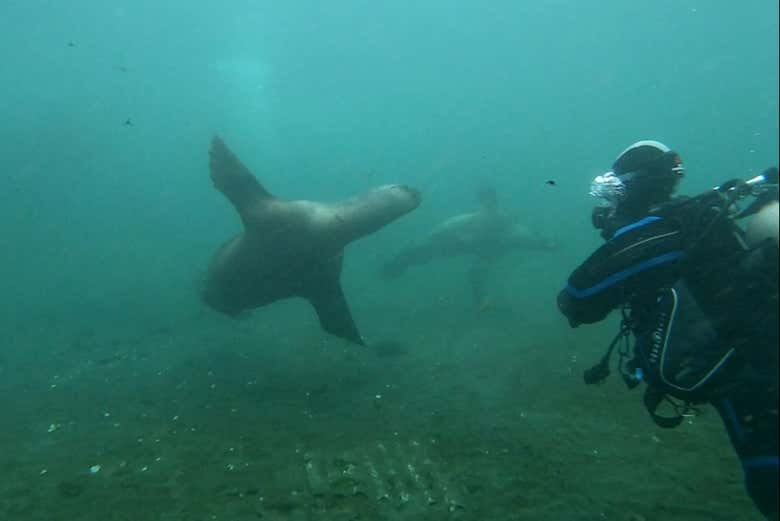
[
  {"x": 551, "y": 182},
  {"x": 128, "y": 122},
  {"x": 71, "y": 44}
]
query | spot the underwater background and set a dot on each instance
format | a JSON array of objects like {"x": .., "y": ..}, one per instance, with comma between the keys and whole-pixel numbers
[{"x": 124, "y": 398}]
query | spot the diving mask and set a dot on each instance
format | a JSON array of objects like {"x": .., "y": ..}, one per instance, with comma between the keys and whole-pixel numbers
[{"x": 608, "y": 187}]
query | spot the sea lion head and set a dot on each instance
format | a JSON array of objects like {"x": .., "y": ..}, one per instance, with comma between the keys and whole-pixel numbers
[{"x": 402, "y": 197}]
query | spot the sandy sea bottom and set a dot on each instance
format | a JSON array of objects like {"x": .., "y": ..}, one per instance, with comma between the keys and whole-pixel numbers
[{"x": 451, "y": 414}]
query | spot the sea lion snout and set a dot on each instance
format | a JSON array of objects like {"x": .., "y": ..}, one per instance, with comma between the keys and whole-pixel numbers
[
  {"x": 416, "y": 194},
  {"x": 412, "y": 193}
]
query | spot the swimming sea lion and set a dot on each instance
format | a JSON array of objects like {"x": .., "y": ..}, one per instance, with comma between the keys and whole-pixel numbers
[
  {"x": 292, "y": 248},
  {"x": 486, "y": 234},
  {"x": 763, "y": 225}
]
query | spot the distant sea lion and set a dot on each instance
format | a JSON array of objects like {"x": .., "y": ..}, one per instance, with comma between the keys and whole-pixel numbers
[
  {"x": 292, "y": 248},
  {"x": 486, "y": 234}
]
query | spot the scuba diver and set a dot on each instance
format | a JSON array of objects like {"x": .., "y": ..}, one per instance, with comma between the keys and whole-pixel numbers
[{"x": 697, "y": 294}]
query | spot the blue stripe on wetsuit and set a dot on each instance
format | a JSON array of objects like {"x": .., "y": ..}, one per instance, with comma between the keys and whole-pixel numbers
[
  {"x": 732, "y": 416},
  {"x": 634, "y": 225},
  {"x": 765, "y": 461},
  {"x": 623, "y": 275}
]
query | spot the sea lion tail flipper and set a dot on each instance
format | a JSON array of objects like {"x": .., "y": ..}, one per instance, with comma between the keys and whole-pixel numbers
[
  {"x": 232, "y": 178},
  {"x": 325, "y": 294}
]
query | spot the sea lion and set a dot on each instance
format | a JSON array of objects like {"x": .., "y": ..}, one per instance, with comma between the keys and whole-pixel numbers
[
  {"x": 487, "y": 235},
  {"x": 763, "y": 225},
  {"x": 292, "y": 248}
]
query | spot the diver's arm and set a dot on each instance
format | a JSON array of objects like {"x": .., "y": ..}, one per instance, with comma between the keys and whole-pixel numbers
[
  {"x": 577, "y": 312},
  {"x": 639, "y": 257}
]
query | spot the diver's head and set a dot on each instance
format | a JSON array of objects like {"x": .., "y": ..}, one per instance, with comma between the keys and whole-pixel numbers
[{"x": 644, "y": 175}]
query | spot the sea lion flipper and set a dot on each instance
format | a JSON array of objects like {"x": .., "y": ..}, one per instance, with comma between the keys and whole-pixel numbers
[
  {"x": 326, "y": 296},
  {"x": 232, "y": 178},
  {"x": 334, "y": 314},
  {"x": 478, "y": 274}
]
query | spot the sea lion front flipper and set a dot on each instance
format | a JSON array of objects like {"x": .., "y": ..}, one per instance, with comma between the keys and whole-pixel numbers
[
  {"x": 232, "y": 178},
  {"x": 478, "y": 274},
  {"x": 325, "y": 294}
]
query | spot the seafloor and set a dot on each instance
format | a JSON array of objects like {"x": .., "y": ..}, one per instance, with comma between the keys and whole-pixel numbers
[{"x": 452, "y": 414}]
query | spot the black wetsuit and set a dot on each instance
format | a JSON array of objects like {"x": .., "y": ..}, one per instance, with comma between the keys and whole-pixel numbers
[{"x": 702, "y": 308}]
